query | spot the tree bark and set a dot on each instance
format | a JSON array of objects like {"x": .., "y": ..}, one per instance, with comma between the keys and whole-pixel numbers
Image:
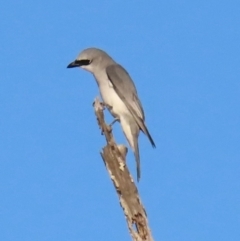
[{"x": 114, "y": 157}]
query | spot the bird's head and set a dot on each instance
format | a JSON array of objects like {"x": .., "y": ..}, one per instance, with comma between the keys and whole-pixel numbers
[{"x": 90, "y": 59}]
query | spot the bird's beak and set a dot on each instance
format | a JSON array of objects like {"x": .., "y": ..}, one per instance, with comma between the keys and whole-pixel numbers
[
  {"x": 78, "y": 63},
  {"x": 73, "y": 64}
]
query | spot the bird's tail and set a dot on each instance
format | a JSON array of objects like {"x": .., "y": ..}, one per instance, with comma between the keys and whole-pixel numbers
[
  {"x": 131, "y": 131},
  {"x": 134, "y": 144},
  {"x": 137, "y": 158}
]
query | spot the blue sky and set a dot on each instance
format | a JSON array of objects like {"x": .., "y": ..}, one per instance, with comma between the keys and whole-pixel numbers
[{"x": 184, "y": 59}]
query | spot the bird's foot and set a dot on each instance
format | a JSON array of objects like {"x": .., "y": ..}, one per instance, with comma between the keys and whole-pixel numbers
[
  {"x": 109, "y": 127},
  {"x": 115, "y": 120},
  {"x": 104, "y": 105}
]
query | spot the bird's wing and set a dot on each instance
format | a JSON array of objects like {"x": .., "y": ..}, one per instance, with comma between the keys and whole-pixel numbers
[{"x": 126, "y": 90}]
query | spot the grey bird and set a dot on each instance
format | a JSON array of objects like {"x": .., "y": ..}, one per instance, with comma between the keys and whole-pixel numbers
[{"x": 119, "y": 94}]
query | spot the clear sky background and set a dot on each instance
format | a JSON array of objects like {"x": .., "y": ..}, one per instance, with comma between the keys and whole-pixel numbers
[{"x": 184, "y": 57}]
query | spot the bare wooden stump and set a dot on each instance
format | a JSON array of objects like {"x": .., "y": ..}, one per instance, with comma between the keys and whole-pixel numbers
[{"x": 114, "y": 157}]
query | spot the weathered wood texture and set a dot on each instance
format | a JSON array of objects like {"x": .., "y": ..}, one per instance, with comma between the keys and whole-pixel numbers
[{"x": 114, "y": 158}]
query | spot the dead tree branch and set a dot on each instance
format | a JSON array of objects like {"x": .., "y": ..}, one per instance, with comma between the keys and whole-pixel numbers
[{"x": 114, "y": 157}]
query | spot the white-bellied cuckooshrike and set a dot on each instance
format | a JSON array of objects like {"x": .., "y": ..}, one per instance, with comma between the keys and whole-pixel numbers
[{"x": 118, "y": 93}]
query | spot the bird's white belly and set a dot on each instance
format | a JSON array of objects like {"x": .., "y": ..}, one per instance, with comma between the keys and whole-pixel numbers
[{"x": 117, "y": 107}]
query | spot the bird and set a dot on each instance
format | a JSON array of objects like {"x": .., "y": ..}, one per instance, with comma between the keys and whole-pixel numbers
[{"x": 118, "y": 93}]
